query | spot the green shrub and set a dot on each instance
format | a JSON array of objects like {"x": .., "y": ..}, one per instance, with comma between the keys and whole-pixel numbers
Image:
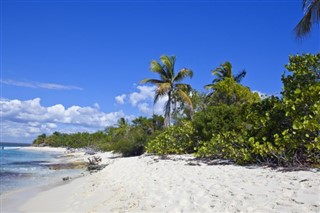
[
  {"x": 301, "y": 104},
  {"x": 130, "y": 142},
  {"x": 230, "y": 92},
  {"x": 216, "y": 119},
  {"x": 226, "y": 145},
  {"x": 173, "y": 140}
]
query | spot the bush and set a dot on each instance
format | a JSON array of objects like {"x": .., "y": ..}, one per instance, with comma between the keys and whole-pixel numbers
[
  {"x": 216, "y": 119},
  {"x": 129, "y": 142},
  {"x": 284, "y": 131},
  {"x": 230, "y": 92},
  {"x": 226, "y": 145},
  {"x": 301, "y": 104},
  {"x": 174, "y": 140}
]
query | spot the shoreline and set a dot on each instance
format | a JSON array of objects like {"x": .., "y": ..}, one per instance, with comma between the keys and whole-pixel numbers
[
  {"x": 12, "y": 200},
  {"x": 65, "y": 162},
  {"x": 180, "y": 183}
]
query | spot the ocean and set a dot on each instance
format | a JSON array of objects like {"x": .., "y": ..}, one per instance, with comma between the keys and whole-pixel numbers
[{"x": 21, "y": 168}]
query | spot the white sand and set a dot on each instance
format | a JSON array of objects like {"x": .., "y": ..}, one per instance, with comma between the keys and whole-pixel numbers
[{"x": 150, "y": 184}]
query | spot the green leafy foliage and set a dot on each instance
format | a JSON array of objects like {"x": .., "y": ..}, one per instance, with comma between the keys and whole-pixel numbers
[
  {"x": 40, "y": 139},
  {"x": 283, "y": 131},
  {"x": 216, "y": 119},
  {"x": 231, "y": 123},
  {"x": 173, "y": 140},
  {"x": 76, "y": 140},
  {"x": 264, "y": 120},
  {"x": 301, "y": 103},
  {"x": 129, "y": 141},
  {"x": 230, "y": 92},
  {"x": 228, "y": 145}
]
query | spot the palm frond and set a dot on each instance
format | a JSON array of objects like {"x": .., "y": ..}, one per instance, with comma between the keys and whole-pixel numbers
[
  {"x": 152, "y": 81},
  {"x": 228, "y": 65},
  {"x": 182, "y": 74},
  {"x": 219, "y": 77},
  {"x": 218, "y": 72},
  {"x": 209, "y": 86},
  {"x": 164, "y": 88},
  {"x": 157, "y": 68},
  {"x": 168, "y": 62},
  {"x": 304, "y": 25},
  {"x": 311, "y": 10},
  {"x": 240, "y": 76},
  {"x": 184, "y": 87},
  {"x": 185, "y": 98},
  {"x": 156, "y": 97},
  {"x": 305, "y": 3}
]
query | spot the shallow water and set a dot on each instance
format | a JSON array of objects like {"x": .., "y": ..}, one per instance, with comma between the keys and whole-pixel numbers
[{"x": 24, "y": 168}]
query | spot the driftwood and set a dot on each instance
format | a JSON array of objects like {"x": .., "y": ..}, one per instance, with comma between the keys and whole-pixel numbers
[
  {"x": 94, "y": 164},
  {"x": 95, "y": 160}
]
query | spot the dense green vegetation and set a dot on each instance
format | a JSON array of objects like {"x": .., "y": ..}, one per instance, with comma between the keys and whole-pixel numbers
[{"x": 231, "y": 122}]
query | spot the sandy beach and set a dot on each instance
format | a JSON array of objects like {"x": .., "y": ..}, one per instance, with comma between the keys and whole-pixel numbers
[{"x": 177, "y": 184}]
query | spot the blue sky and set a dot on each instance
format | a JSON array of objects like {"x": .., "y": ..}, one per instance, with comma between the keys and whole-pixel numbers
[{"x": 76, "y": 65}]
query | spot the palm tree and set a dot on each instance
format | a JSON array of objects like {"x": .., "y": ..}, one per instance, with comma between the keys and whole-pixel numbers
[
  {"x": 311, "y": 9},
  {"x": 223, "y": 72},
  {"x": 122, "y": 123},
  {"x": 169, "y": 84}
]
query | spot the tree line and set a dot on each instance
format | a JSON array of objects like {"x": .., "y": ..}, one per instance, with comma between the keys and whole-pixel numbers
[{"x": 229, "y": 121}]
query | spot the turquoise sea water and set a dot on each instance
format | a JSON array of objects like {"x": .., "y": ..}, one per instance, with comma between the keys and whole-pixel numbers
[{"x": 23, "y": 168}]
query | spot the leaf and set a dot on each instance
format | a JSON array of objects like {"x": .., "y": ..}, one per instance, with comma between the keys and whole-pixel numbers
[{"x": 297, "y": 91}]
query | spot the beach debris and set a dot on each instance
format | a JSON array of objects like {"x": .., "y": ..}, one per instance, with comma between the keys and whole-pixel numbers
[
  {"x": 66, "y": 178},
  {"x": 95, "y": 160},
  {"x": 94, "y": 164}
]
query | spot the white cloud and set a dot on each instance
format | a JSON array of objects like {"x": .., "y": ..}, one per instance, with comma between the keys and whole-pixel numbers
[
  {"x": 37, "y": 85},
  {"x": 51, "y": 125},
  {"x": 29, "y": 118},
  {"x": 159, "y": 106},
  {"x": 143, "y": 100},
  {"x": 96, "y": 105},
  {"x": 145, "y": 93},
  {"x": 145, "y": 108},
  {"x": 121, "y": 99}
]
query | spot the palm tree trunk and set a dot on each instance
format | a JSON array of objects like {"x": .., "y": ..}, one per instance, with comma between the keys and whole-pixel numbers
[{"x": 168, "y": 110}]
